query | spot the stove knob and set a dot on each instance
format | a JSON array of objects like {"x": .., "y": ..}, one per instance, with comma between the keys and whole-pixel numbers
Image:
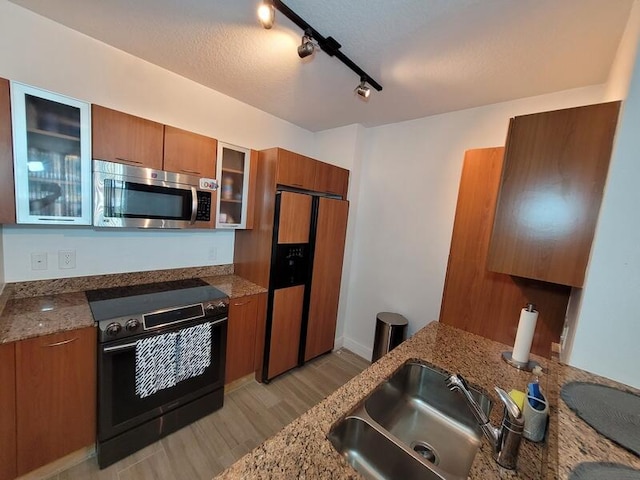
[
  {"x": 113, "y": 329},
  {"x": 210, "y": 307},
  {"x": 132, "y": 324}
]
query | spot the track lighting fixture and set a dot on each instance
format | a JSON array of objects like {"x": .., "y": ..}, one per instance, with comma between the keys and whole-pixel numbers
[
  {"x": 266, "y": 14},
  {"x": 307, "y": 47},
  {"x": 362, "y": 90}
]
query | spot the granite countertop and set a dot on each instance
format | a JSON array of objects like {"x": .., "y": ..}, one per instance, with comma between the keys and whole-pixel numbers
[
  {"x": 23, "y": 316},
  {"x": 301, "y": 449},
  {"x": 572, "y": 440},
  {"x": 234, "y": 286}
]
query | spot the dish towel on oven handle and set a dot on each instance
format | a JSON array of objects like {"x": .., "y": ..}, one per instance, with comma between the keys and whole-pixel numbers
[
  {"x": 155, "y": 363},
  {"x": 193, "y": 351}
]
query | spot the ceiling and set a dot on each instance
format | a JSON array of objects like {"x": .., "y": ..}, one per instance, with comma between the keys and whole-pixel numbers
[{"x": 431, "y": 56}]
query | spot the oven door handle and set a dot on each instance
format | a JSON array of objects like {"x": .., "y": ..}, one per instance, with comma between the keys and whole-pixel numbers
[
  {"x": 194, "y": 205},
  {"x": 127, "y": 346},
  {"x": 119, "y": 348}
]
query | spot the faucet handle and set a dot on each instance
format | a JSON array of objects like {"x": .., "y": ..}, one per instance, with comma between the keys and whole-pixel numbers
[{"x": 515, "y": 414}]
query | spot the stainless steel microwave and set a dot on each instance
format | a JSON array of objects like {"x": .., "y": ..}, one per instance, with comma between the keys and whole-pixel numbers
[{"x": 128, "y": 196}]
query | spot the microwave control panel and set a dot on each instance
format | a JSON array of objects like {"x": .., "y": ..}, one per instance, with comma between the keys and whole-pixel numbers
[{"x": 204, "y": 207}]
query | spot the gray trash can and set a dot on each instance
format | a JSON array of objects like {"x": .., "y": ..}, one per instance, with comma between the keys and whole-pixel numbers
[{"x": 391, "y": 331}]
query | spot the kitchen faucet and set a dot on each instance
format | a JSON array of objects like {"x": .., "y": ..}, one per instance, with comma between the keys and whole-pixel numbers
[{"x": 504, "y": 440}]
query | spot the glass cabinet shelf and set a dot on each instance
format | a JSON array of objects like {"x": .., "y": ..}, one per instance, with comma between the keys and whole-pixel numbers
[
  {"x": 233, "y": 180},
  {"x": 52, "y": 157}
]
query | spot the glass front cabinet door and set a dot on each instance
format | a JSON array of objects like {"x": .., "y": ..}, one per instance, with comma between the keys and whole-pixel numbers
[
  {"x": 233, "y": 180},
  {"x": 52, "y": 157}
]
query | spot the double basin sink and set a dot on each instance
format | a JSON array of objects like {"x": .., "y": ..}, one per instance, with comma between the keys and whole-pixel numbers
[{"x": 411, "y": 427}]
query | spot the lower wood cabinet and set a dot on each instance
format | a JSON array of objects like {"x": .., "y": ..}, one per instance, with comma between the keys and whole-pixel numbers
[
  {"x": 8, "y": 468},
  {"x": 246, "y": 315},
  {"x": 55, "y": 396}
]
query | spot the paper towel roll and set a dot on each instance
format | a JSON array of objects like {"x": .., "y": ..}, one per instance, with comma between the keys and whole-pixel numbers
[{"x": 524, "y": 336}]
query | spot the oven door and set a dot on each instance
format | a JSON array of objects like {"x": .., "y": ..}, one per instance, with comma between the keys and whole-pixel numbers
[{"x": 120, "y": 408}]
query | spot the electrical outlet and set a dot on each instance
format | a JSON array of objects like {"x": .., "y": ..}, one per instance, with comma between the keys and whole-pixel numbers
[
  {"x": 39, "y": 261},
  {"x": 66, "y": 259}
]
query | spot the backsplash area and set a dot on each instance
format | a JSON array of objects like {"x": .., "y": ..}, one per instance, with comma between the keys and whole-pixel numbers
[
  {"x": 107, "y": 251},
  {"x": 78, "y": 284}
]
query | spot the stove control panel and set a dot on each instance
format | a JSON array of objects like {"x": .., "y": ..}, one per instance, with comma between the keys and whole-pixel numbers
[{"x": 135, "y": 325}]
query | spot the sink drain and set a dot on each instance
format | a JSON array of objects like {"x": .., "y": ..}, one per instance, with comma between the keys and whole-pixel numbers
[{"x": 426, "y": 451}]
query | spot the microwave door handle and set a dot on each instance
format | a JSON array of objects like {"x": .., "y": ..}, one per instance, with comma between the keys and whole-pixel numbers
[{"x": 194, "y": 205}]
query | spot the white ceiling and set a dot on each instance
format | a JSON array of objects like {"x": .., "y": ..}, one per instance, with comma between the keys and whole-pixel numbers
[{"x": 431, "y": 56}]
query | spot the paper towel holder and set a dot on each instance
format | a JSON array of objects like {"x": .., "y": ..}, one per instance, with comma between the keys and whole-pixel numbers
[
  {"x": 527, "y": 367},
  {"x": 508, "y": 356}
]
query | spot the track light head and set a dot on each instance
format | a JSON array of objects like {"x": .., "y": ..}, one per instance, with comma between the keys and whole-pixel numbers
[
  {"x": 266, "y": 13},
  {"x": 307, "y": 47},
  {"x": 362, "y": 90}
]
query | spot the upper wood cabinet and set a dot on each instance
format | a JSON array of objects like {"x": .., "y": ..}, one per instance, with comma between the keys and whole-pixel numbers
[
  {"x": 295, "y": 170},
  {"x": 331, "y": 179},
  {"x": 299, "y": 171},
  {"x": 190, "y": 153},
  {"x": 7, "y": 196},
  {"x": 8, "y": 469},
  {"x": 123, "y": 138},
  {"x": 552, "y": 182},
  {"x": 55, "y": 396}
]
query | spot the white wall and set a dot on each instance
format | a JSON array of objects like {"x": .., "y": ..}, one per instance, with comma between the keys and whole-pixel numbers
[
  {"x": 604, "y": 337},
  {"x": 45, "y": 54},
  {"x": 617, "y": 85},
  {"x": 406, "y": 205}
]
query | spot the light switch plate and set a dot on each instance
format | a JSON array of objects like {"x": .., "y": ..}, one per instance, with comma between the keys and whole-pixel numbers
[{"x": 39, "y": 261}]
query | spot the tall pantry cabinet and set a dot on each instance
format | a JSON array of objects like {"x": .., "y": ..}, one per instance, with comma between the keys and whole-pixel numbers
[{"x": 300, "y": 206}]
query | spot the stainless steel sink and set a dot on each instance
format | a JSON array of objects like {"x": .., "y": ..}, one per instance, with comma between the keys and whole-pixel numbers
[
  {"x": 375, "y": 455},
  {"x": 417, "y": 417}
]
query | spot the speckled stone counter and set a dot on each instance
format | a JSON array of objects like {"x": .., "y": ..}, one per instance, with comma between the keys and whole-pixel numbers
[
  {"x": 573, "y": 440},
  {"x": 301, "y": 449},
  {"x": 32, "y": 317},
  {"x": 32, "y": 309},
  {"x": 234, "y": 286}
]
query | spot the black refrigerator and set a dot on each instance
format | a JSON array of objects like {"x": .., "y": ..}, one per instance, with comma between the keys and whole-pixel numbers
[{"x": 304, "y": 285}]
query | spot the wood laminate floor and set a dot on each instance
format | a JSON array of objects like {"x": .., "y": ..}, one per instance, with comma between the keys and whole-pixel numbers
[{"x": 251, "y": 413}]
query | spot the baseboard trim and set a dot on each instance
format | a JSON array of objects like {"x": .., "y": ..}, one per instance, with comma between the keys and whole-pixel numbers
[
  {"x": 357, "y": 348},
  {"x": 61, "y": 464}
]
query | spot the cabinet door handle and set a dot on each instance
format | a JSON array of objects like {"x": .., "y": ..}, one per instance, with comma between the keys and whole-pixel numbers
[
  {"x": 242, "y": 303},
  {"x": 63, "y": 342},
  {"x": 128, "y": 161},
  {"x": 193, "y": 172}
]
